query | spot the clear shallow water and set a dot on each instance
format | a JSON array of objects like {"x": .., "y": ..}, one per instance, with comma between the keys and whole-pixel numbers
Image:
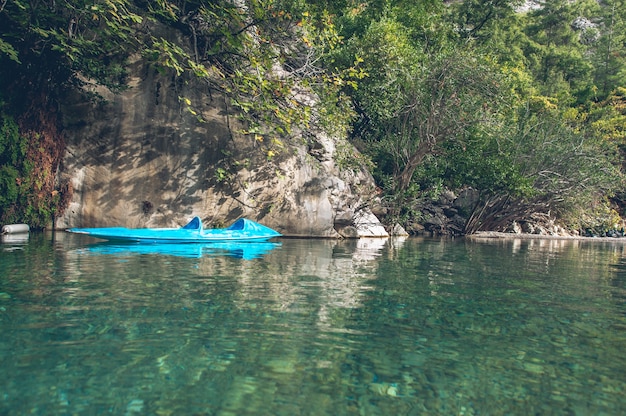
[{"x": 314, "y": 327}]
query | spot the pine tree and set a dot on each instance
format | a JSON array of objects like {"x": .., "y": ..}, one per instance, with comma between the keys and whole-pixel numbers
[{"x": 610, "y": 51}]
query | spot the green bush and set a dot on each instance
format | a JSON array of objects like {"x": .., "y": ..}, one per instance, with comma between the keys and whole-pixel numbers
[
  {"x": 8, "y": 187},
  {"x": 25, "y": 194},
  {"x": 12, "y": 146},
  {"x": 12, "y": 153}
]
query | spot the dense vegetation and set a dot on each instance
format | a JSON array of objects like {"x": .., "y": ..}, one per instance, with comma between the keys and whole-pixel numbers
[{"x": 525, "y": 102}]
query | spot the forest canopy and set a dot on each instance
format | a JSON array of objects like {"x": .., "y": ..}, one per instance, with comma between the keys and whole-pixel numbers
[{"x": 524, "y": 102}]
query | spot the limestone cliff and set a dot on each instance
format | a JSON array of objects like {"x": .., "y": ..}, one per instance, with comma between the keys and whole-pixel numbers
[{"x": 140, "y": 159}]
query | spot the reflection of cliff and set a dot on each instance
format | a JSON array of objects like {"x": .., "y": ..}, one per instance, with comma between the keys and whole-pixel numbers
[
  {"x": 314, "y": 277},
  {"x": 309, "y": 277},
  {"x": 233, "y": 331}
]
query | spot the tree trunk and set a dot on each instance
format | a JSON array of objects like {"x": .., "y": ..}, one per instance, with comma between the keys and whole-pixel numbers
[{"x": 403, "y": 179}]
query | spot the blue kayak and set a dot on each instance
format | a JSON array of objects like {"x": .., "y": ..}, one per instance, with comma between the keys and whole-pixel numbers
[{"x": 242, "y": 230}]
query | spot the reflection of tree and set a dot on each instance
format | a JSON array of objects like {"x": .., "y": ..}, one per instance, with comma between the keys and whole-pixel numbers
[{"x": 471, "y": 320}]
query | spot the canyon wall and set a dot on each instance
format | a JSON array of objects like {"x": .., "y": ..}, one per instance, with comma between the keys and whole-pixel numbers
[{"x": 140, "y": 158}]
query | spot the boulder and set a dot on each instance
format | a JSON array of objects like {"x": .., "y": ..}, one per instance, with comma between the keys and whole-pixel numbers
[
  {"x": 367, "y": 225},
  {"x": 398, "y": 231}
]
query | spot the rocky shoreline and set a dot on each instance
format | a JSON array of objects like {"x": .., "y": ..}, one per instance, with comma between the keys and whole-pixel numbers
[{"x": 525, "y": 236}]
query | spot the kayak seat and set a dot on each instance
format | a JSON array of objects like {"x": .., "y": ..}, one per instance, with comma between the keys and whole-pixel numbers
[
  {"x": 194, "y": 224},
  {"x": 238, "y": 225}
]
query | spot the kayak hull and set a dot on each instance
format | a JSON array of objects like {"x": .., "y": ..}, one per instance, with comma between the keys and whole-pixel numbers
[{"x": 242, "y": 230}]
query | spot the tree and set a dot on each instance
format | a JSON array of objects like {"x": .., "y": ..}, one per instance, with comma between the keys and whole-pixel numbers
[
  {"x": 479, "y": 20},
  {"x": 568, "y": 170},
  {"x": 92, "y": 38},
  {"x": 411, "y": 103},
  {"x": 555, "y": 54},
  {"x": 610, "y": 48}
]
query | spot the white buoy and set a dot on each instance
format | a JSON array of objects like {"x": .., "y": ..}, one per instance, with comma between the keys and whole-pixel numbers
[{"x": 15, "y": 228}]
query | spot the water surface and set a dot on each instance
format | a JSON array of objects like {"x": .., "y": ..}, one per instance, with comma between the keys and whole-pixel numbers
[{"x": 313, "y": 327}]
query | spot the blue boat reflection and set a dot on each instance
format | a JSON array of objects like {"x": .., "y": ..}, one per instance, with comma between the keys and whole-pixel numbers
[{"x": 246, "y": 251}]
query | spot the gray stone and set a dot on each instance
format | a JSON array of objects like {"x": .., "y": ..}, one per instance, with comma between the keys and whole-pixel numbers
[
  {"x": 368, "y": 225},
  {"x": 466, "y": 200},
  {"x": 446, "y": 197},
  {"x": 398, "y": 231}
]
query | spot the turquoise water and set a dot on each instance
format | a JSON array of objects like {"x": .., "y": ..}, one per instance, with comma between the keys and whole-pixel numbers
[{"x": 314, "y": 327}]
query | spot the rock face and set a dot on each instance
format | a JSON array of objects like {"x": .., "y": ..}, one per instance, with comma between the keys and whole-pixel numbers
[{"x": 142, "y": 159}]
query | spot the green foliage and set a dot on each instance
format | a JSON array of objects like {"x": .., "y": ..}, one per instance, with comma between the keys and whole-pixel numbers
[
  {"x": 565, "y": 167},
  {"x": 447, "y": 98},
  {"x": 609, "y": 51},
  {"x": 570, "y": 167},
  {"x": 608, "y": 118},
  {"x": 503, "y": 112},
  {"x": 558, "y": 59},
  {"x": 487, "y": 164},
  {"x": 524, "y": 106},
  {"x": 595, "y": 219},
  {"x": 238, "y": 53},
  {"x": 8, "y": 188},
  {"x": 27, "y": 191},
  {"x": 476, "y": 19},
  {"x": 92, "y": 38},
  {"x": 8, "y": 50},
  {"x": 13, "y": 149},
  {"x": 391, "y": 63}
]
